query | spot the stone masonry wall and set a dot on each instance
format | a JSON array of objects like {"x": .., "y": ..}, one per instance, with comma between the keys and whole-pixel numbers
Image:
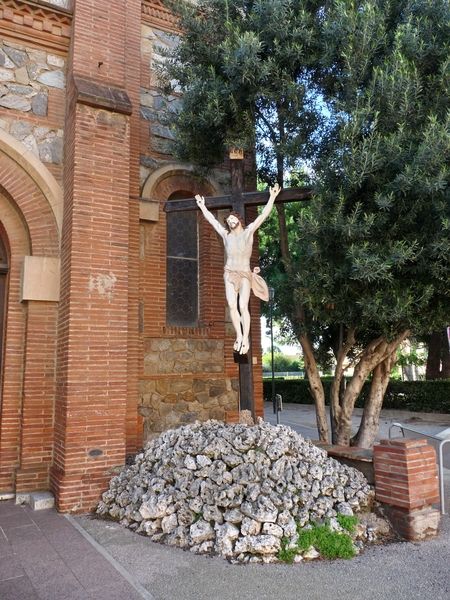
[
  {"x": 32, "y": 88},
  {"x": 157, "y": 138},
  {"x": 200, "y": 392}
]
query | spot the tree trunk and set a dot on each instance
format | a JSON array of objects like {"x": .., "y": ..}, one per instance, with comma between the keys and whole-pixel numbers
[
  {"x": 368, "y": 427},
  {"x": 337, "y": 392},
  {"x": 434, "y": 356},
  {"x": 316, "y": 387},
  {"x": 445, "y": 357},
  {"x": 376, "y": 352}
]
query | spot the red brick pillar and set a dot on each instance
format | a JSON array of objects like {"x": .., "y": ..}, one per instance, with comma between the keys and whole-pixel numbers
[
  {"x": 406, "y": 483},
  {"x": 92, "y": 375}
]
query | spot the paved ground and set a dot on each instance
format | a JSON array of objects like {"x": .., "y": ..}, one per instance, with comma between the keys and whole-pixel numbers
[{"x": 44, "y": 555}]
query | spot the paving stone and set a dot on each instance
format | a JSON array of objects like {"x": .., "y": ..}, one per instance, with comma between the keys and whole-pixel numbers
[
  {"x": 94, "y": 571},
  {"x": 39, "y": 552},
  {"x": 10, "y": 520},
  {"x": 24, "y": 535},
  {"x": 7, "y": 508},
  {"x": 45, "y": 558},
  {"x": 10, "y": 567},
  {"x": 62, "y": 586},
  {"x": 117, "y": 591},
  {"x": 18, "y": 589}
]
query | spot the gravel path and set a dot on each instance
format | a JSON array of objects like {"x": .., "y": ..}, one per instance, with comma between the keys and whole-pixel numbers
[{"x": 402, "y": 571}]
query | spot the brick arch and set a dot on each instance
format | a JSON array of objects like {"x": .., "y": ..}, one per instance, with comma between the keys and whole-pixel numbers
[
  {"x": 36, "y": 193},
  {"x": 171, "y": 178},
  {"x": 30, "y": 213}
]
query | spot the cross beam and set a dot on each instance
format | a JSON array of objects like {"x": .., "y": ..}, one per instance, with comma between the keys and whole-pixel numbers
[{"x": 245, "y": 199}]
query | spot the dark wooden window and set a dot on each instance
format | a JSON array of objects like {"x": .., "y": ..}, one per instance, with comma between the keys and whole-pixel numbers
[
  {"x": 4, "y": 264},
  {"x": 182, "y": 266}
]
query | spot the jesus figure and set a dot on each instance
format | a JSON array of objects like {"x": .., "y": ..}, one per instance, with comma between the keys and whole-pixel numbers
[{"x": 239, "y": 279}]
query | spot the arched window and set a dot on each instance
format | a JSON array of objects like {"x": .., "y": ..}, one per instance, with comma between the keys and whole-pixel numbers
[
  {"x": 4, "y": 265},
  {"x": 182, "y": 299}
]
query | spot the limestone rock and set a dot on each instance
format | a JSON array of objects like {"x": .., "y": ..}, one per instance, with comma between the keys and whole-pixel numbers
[
  {"x": 234, "y": 490},
  {"x": 201, "y": 531},
  {"x": 258, "y": 544},
  {"x": 311, "y": 554}
]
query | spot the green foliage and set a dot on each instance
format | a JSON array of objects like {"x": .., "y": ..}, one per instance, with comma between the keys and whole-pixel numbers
[
  {"x": 286, "y": 554},
  {"x": 374, "y": 247},
  {"x": 330, "y": 544},
  {"x": 281, "y": 362},
  {"x": 244, "y": 80},
  {"x": 413, "y": 355},
  {"x": 347, "y": 522},
  {"x": 416, "y": 396}
]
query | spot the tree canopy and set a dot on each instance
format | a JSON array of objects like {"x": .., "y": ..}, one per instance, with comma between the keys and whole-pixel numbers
[{"x": 352, "y": 95}]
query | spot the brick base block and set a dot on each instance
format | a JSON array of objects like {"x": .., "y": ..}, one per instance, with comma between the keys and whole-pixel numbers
[
  {"x": 415, "y": 525},
  {"x": 79, "y": 493}
]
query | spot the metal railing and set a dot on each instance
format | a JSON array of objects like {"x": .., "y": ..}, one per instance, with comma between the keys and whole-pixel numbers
[{"x": 440, "y": 444}]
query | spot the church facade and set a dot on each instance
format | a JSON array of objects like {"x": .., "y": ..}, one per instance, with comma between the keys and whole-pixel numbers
[{"x": 112, "y": 311}]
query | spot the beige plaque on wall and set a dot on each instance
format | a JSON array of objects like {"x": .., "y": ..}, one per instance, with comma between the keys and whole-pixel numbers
[{"x": 40, "y": 278}]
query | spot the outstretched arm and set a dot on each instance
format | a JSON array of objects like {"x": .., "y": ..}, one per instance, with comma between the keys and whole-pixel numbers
[
  {"x": 274, "y": 191},
  {"x": 210, "y": 217}
]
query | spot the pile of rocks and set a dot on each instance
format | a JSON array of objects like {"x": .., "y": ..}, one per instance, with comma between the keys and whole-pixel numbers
[{"x": 232, "y": 490}]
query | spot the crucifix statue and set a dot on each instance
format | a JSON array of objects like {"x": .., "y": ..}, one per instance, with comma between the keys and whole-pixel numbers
[
  {"x": 238, "y": 277},
  {"x": 237, "y": 283}
]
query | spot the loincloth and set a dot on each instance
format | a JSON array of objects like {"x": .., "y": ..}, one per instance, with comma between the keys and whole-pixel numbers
[{"x": 257, "y": 283}]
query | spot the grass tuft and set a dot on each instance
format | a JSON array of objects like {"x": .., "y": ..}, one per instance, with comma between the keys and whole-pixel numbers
[
  {"x": 347, "y": 522},
  {"x": 286, "y": 554},
  {"x": 330, "y": 544}
]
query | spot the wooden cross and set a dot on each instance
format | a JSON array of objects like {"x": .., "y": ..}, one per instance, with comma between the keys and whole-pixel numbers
[{"x": 238, "y": 201}]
